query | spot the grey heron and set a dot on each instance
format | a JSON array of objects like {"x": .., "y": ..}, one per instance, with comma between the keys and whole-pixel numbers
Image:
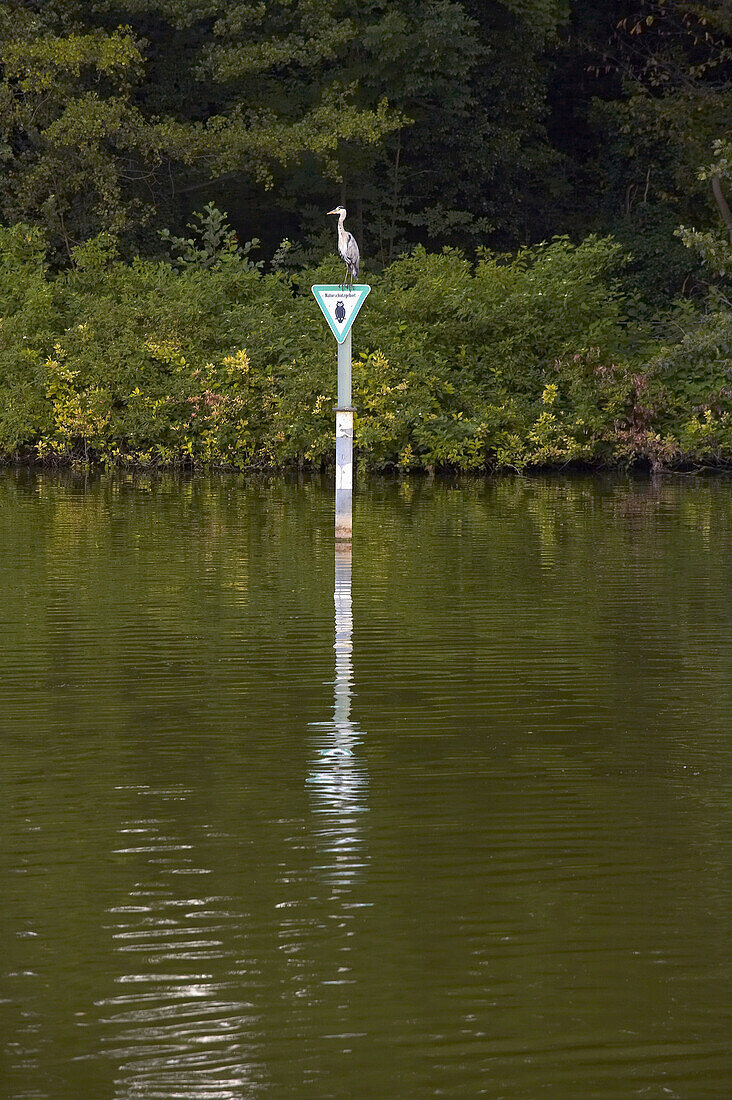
[{"x": 347, "y": 247}]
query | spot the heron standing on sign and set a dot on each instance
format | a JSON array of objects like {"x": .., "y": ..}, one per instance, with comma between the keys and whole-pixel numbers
[{"x": 347, "y": 247}]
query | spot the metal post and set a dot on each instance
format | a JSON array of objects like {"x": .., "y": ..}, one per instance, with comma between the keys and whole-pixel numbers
[
  {"x": 344, "y": 445},
  {"x": 345, "y": 354}
]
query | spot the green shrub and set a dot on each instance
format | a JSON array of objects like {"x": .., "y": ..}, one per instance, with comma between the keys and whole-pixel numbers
[
  {"x": 689, "y": 384},
  {"x": 512, "y": 362}
]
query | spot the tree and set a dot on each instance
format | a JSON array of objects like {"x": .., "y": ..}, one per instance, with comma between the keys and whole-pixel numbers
[
  {"x": 650, "y": 87},
  {"x": 714, "y": 246},
  {"x": 108, "y": 112}
]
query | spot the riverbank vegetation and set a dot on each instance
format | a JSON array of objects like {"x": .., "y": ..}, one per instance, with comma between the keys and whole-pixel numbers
[{"x": 541, "y": 192}]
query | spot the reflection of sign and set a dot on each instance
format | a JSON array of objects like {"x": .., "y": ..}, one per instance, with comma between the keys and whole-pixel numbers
[{"x": 340, "y": 306}]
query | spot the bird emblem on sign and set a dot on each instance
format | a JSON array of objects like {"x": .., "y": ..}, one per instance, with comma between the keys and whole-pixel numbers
[{"x": 340, "y": 312}]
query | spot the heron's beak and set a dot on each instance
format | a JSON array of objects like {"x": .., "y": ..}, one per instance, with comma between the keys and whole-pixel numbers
[{"x": 334, "y": 211}]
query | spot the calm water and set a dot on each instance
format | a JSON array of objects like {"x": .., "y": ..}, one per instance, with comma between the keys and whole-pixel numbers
[{"x": 464, "y": 832}]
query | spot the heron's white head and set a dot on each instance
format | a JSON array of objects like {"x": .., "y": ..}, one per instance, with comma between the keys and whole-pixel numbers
[{"x": 338, "y": 210}]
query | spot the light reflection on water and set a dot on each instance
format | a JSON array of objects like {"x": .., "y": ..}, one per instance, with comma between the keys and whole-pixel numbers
[
  {"x": 478, "y": 846},
  {"x": 172, "y": 1030},
  {"x": 176, "y": 1032}
]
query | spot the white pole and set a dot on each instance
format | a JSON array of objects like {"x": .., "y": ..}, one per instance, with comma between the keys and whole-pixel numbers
[
  {"x": 344, "y": 445},
  {"x": 345, "y": 354}
]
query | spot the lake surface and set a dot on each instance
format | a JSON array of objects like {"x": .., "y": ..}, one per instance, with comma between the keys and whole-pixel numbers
[{"x": 464, "y": 831}]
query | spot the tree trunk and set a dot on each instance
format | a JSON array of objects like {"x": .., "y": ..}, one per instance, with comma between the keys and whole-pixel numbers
[
  {"x": 359, "y": 219},
  {"x": 395, "y": 196},
  {"x": 722, "y": 205}
]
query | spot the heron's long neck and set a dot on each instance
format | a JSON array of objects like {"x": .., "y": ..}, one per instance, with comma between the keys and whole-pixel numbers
[{"x": 341, "y": 230}]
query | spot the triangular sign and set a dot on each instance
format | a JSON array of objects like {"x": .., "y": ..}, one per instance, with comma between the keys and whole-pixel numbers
[{"x": 340, "y": 306}]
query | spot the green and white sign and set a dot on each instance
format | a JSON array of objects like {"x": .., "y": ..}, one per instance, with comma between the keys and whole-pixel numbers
[{"x": 340, "y": 306}]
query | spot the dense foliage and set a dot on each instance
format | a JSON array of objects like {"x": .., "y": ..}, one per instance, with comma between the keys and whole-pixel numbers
[
  {"x": 461, "y": 134},
  {"x": 512, "y": 361},
  {"x": 460, "y": 122}
]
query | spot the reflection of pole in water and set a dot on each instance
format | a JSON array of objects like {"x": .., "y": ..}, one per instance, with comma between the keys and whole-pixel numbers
[
  {"x": 338, "y": 779},
  {"x": 343, "y": 639}
]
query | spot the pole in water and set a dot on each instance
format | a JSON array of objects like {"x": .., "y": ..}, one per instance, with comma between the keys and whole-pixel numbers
[
  {"x": 344, "y": 445},
  {"x": 344, "y": 474},
  {"x": 340, "y": 305}
]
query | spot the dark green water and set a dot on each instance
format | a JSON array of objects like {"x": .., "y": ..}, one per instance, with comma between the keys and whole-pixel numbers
[{"x": 480, "y": 848}]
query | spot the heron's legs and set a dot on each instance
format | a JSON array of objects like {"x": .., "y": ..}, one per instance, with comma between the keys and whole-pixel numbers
[{"x": 347, "y": 283}]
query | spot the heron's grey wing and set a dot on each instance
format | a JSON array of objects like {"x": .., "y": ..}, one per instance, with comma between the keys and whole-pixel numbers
[{"x": 352, "y": 254}]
